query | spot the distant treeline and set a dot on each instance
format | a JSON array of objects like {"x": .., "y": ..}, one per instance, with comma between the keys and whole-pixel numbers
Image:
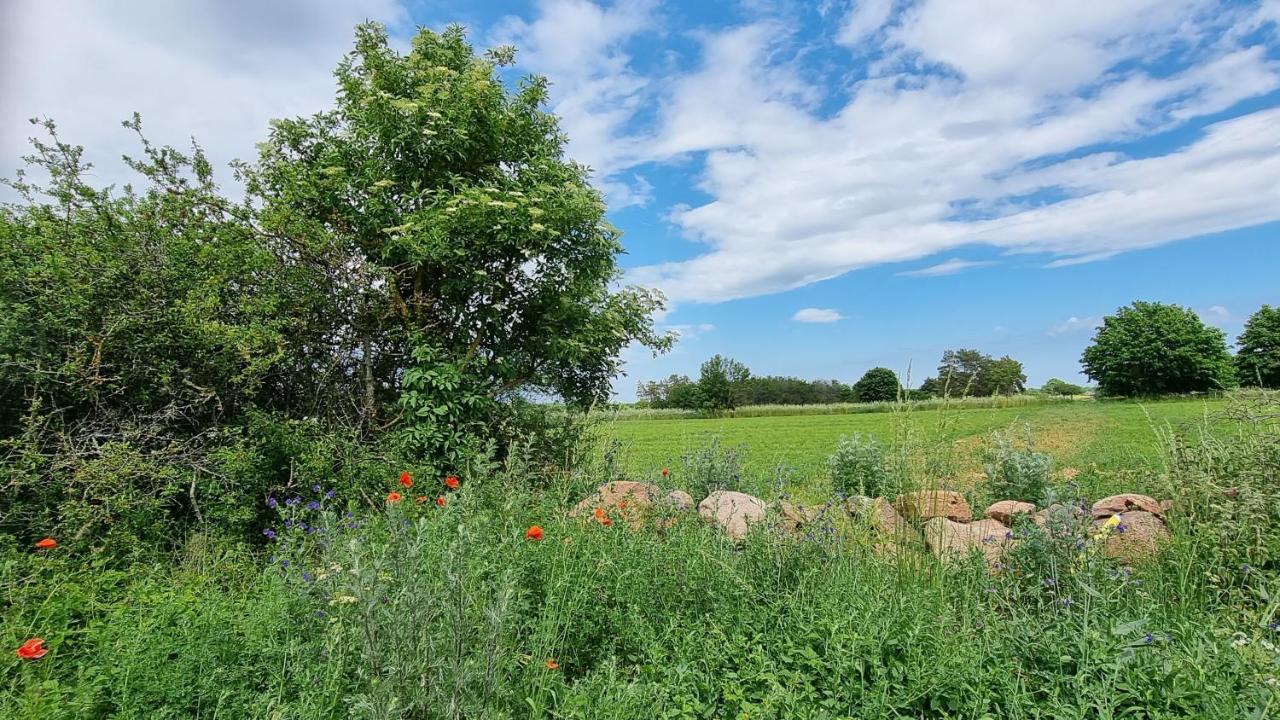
[{"x": 724, "y": 384}]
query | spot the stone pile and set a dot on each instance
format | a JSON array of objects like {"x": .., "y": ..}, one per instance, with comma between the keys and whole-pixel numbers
[{"x": 1127, "y": 527}]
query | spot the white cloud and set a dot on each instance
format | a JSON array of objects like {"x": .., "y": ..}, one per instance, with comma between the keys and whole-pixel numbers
[
  {"x": 863, "y": 20},
  {"x": 1075, "y": 325},
  {"x": 579, "y": 46},
  {"x": 1217, "y": 314},
  {"x": 690, "y": 331},
  {"x": 916, "y": 163},
  {"x": 817, "y": 315},
  {"x": 948, "y": 267},
  {"x": 217, "y": 71}
]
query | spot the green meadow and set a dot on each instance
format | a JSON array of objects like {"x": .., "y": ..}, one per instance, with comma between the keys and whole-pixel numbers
[{"x": 1108, "y": 443}]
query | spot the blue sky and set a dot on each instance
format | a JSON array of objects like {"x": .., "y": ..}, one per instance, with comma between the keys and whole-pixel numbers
[{"x": 818, "y": 187}]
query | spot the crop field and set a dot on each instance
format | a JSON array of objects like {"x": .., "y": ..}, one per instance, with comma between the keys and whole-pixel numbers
[{"x": 1107, "y": 444}]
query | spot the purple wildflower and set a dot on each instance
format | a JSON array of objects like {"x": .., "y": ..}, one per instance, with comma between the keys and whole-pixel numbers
[
  {"x": 313, "y": 505},
  {"x": 271, "y": 534},
  {"x": 329, "y": 495},
  {"x": 307, "y": 577},
  {"x": 1066, "y": 601},
  {"x": 315, "y": 488},
  {"x": 292, "y": 501},
  {"x": 1049, "y": 582},
  {"x": 272, "y": 503},
  {"x": 1148, "y": 638}
]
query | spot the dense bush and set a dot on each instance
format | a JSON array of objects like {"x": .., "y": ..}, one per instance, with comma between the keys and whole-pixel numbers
[
  {"x": 1056, "y": 386},
  {"x": 403, "y": 270},
  {"x": 857, "y": 467},
  {"x": 1153, "y": 349},
  {"x": 1017, "y": 472},
  {"x": 879, "y": 384}
]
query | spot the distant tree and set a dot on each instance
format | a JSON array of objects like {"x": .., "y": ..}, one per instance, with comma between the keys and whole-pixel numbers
[
  {"x": 1004, "y": 377},
  {"x": 717, "y": 380},
  {"x": 659, "y": 393},
  {"x": 1056, "y": 386},
  {"x": 1153, "y": 349},
  {"x": 683, "y": 393},
  {"x": 1258, "y": 361},
  {"x": 879, "y": 384},
  {"x": 929, "y": 388},
  {"x": 963, "y": 373}
]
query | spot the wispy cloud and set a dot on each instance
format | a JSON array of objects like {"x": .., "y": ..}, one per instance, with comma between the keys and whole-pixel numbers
[
  {"x": 1075, "y": 325},
  {"x": 949, "y": 267},
  {"x": 1217, "y": 314},
  {"x": 817, "y": 315},
  {"x": 690, "y": 332}
]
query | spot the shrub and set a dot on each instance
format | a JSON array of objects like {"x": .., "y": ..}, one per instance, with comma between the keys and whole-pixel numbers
[
  {"x": 857, "y": 466},
  {"x": 1017, "y": 473},
  {"x": 1154, "y": 349},
  {"x": 1056, "y": 386},
  {"x": 712, "y": 468},
  {"x": 879, "y": 384}
]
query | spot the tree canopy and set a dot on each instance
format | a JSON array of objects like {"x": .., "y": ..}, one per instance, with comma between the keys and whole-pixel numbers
[
  {"x": 1152, "y": 349},
  {"x": 879, "y": 384},
  {"x": 1258, "y": 358}
]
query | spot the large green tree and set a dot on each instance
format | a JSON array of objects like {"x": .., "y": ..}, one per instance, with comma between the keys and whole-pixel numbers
[
  {"x": 472, "y": 258},
  {"x": 879, "y": 384},
  {"x": 1152, "y": 349},
  {"x": 1004, "y": 377},
  {"x": 719, "y": 383},
  {"x": 1258, "y": 359}
]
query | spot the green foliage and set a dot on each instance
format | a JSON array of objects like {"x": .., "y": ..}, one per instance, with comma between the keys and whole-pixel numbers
[
  {"x": 1153, "y": 349},
  {"x": 711, "y": 468},
  {"x": 879, "y": 384},
  {"x": 421, "y": 611},
  {"x": 970, "y": 373},
  {"x": 719, "y": 382},
  {"x": 1258, "y": 360},
  {"x": 1056, "y": 386},
  {"x": 1017, "y": 473},
  {"x": 857, "y": 467}
]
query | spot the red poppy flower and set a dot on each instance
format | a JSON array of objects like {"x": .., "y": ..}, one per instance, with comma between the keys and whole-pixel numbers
[
  {"x": 406, "y": 479},
  {"x": 32, "y": 649},
  {"x": 47, "y": 544},
  {"x": 602, "y": 518},
  {"x": 451, "y": 482},
  {"x": 534, "y": 532},
  {"x": 552, "y": 664},
  {"x": 441, "y": 501},
  {"x": 394, "y": 497},
  {"x": 665, "y": 472}
]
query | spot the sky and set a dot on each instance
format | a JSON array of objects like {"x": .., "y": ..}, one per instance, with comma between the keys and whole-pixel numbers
[{"x": 817, "y": 187}]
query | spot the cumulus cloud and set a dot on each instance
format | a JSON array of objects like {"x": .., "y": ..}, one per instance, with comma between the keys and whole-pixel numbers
[
  {"x": 1075, "y": 325},
  {"x": 219, "y": 71},
  {"x": 817, "y": 315},
  {"x": 957, "y": 124},
  {"x": 948, "y": 267}
]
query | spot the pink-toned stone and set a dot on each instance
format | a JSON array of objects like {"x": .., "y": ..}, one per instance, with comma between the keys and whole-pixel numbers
[
  {"x": 929, "y": 504},
  {"x": 1137, "y": 537},
  {"x": 952, "y": 541},
  {"x": 1005, "y": 510},
  {"x": 1126, "y": 502},
  {"x": 734, "y": 512},
  {"x": 631, "y": 502}
]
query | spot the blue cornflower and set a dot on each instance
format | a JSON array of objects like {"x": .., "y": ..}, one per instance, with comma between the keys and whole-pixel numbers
[
  {"x": 1274, "y": 626},
  {"x": 284, "y": 563},
  {"x": 1245, "y": 568},
  {"x": 313, "y": 505},
  {"x": 1121, "y": 528},
  {"x": 315, "y": 488},
  {"x": 288, "y": 524},
  {"x": 271, "y": 534},
  {"x": 292, "y": 501},
  {"x": 307, "y": 577},
  {"x": 1049, "y": 582},
  {"x": 1148, "y": 638},
  {"x": 319, "y": 613},
  {"x": 1066, "y": 601},
  {"x": 329, "y": 495},
  {"x": 271, "y": 503}
]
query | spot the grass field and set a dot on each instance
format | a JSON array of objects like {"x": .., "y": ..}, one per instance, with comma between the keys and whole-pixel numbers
[{"x": 1112, "y": 445}]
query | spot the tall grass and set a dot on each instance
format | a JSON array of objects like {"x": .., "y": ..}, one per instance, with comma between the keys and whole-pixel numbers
[{"x": 420, "y": 611}]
